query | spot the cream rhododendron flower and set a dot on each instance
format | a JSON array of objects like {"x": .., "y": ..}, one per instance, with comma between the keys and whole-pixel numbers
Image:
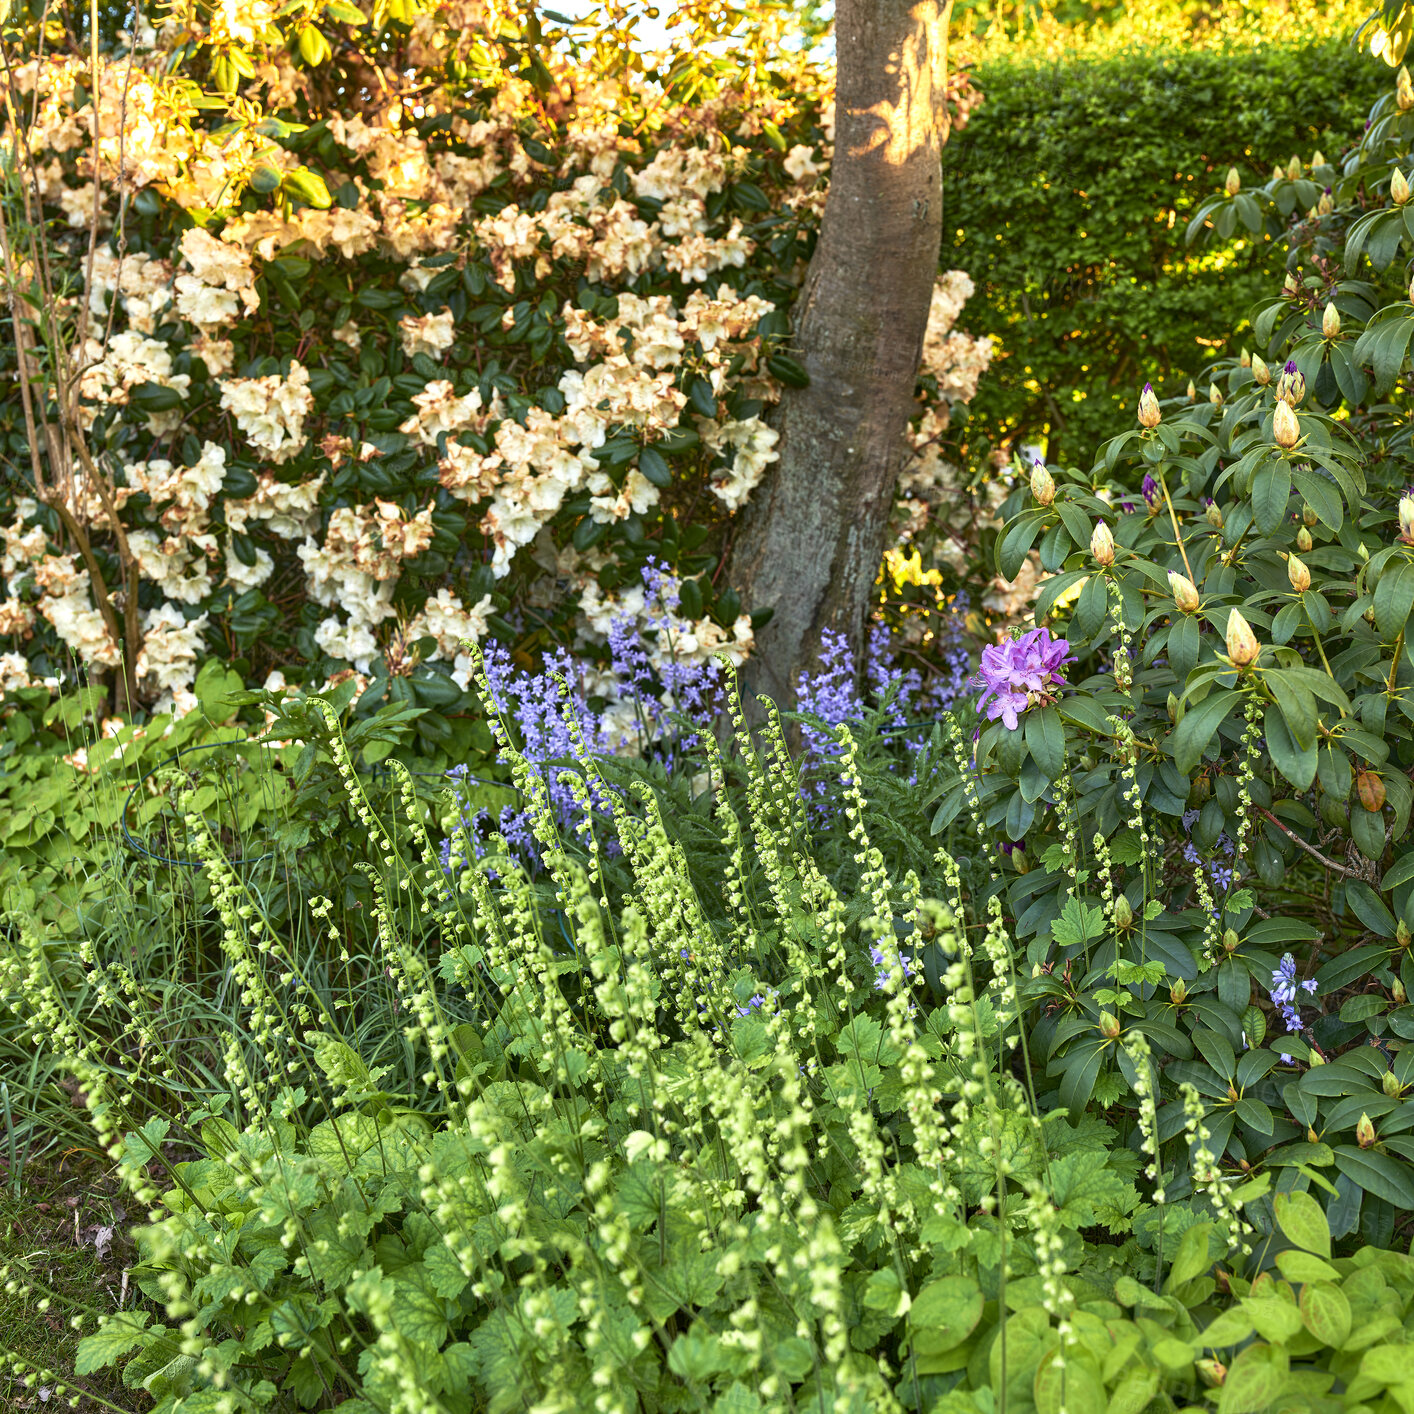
[
  {"x": 431, "y": 334},
  {"x": 800, "y": 163},
  {"x": 751, "y": 446},
  {"x": 271, "y": 410},
  {"x": 445, "y": 618}
]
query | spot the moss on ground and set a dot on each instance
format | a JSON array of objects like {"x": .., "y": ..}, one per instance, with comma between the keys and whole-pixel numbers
[{"x": 61, "y": 1228}]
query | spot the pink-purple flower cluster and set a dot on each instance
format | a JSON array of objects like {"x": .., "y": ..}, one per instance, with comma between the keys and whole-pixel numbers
[{"x": 1020, "y": 673}]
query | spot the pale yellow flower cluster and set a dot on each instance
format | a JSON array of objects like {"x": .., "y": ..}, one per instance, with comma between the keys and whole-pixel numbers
[
  {"x": 141, "y": 284},
  {"x": 290, "y": 511},
  {"x": 933, "y": 496},
  {"x": 431, "y": 334},
  {"x": 66, "y": 601},
  {"x": 186, "y": 492},
  {"x": 346, "y": 233},
  {"x": 129, "y": 360},
  {"x": 590, "y": 222},
  {"x": 271, "y": 410},
  {"x": 171, "y": 648},
  {"x": 356, "y": 569},
  {"x": 613, "y": 204},
  {"x": 221, "y": 286},
  {"x": 445, "y": 618}
]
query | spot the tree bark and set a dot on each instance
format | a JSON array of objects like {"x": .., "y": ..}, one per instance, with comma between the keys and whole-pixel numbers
[{"x": 813, "y": 535}]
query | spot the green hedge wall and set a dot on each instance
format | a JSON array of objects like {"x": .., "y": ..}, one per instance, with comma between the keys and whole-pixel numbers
[{"x": 1066, "y": 199}]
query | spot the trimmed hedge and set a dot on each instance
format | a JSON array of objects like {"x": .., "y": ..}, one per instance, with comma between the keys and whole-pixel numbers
[{"x": 1066, "y": 200}]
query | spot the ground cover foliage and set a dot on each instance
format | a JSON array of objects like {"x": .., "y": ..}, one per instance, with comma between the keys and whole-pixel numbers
[
  {"x": 1003, "y": 1031},
  {"x": 703, "y": 1102}
]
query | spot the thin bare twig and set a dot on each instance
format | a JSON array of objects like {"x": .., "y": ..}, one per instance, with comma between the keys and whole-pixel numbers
[{"x": 1309, "y": 848}]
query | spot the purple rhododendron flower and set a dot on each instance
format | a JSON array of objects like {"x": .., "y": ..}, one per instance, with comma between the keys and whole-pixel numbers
[
  {"x": 1153, "y": 496},
  {"x": 1021, "y": 673}
]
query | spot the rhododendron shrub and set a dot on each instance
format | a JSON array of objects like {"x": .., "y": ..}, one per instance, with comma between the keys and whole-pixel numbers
[
  {"x": 1204, "y": 839},
  {"x": 352, "y": 336}
]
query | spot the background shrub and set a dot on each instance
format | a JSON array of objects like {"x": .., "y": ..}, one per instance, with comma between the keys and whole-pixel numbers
[{"x": 1067, "y": 199}]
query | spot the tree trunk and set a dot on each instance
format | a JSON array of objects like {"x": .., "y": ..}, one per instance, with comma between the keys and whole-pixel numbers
[{"x": 813, "y": 536}]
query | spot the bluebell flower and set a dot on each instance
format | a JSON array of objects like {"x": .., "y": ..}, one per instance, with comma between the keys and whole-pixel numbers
[
  {"x": 1285, "y": 991},
  {"x": 881, "y": 979}
]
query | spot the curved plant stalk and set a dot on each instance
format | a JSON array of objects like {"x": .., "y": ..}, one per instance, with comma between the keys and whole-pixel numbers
[{"x": 50, "y": 368}]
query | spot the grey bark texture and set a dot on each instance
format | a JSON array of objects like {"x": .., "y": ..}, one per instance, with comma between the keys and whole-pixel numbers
[{"x": 813, "y": 536}]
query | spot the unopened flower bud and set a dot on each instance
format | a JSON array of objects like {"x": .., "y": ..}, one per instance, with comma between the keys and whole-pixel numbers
[
  {"x": 1171, "y": 706},
  {"x": 1293, "y": 168},
  {"x": 1149, "y": 414},
  {"x": 1289, "y": 286},
  {"x": 1214, "y": 515},
  {"x": 1043, "y": 484},
  {"x": 1211, "y": 1372},
  {"x": 1303, "y": 540},
  {"x": 1403, "y": 90},
  {"x": 1406, "y": 518},
  {"x": 1309, "y": 516},
  {"x": 1298, "y": 574},
  {"x": 1402, "y": 934},
  {"x": 1286, "y": 426},
  {"x": 1109, "y": 1025},
  {"x": 1411, "y": 292},
  {"x": 1311, "y": 1136},
  {"x": 1390, "y": 1085},
  {"x": 1261, "y": 374},
  {"x": 1315, "y": 1058},
  {"x": 1397, "y": 992},
  {"x": 1318, "y": 158},
  {"x": 1124, "y": 913},
  {"x": 1278, "y": 173},
  {"x": 1178, "y": 993},
  {"x": 1192, "y": 393},
  {"x": 1215, "y": 395},
  {"x": 1326, "y": 204},
  {"x": 1398, "y": 187},
  {"x": 1185, "y": 594},
  {"x": 1291, "y": 385},
  {"x": 1245, "y": 357},
  {"x": 1102, "y": 545},
  {"x": 1233, "y": 184},
  {"x": 1242, "y": 645},
  {"x": 1330, "y": 322},
  {"x": 1365, "y": 1132}
]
